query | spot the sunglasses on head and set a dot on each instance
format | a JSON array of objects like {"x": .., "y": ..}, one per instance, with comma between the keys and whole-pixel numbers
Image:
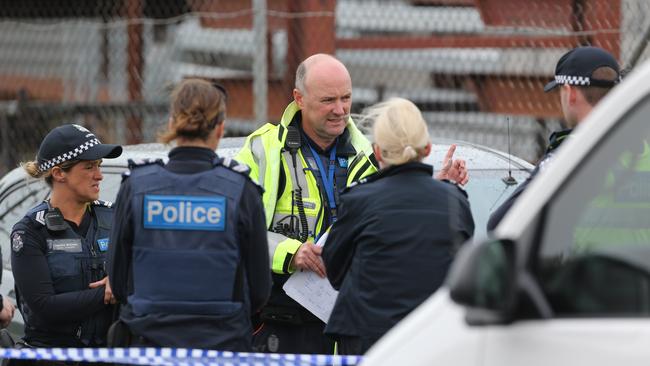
[{"x": 220, "y": 88}]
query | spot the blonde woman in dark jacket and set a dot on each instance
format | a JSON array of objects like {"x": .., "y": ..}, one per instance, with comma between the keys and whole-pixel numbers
[{"x": 396, "y": 234}]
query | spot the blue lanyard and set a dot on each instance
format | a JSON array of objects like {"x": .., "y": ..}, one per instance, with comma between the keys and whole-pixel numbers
[{"x": 328, "y": 180}]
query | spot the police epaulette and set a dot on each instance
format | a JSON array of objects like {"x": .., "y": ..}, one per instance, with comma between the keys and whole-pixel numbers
[
  {"x": 135, "y": 163},
  {"x": 38, "y": 213},
  {"x": 235, "y": 166},
  {"x": 242, "y": 169},
  {"x": 101, "y": 203}
]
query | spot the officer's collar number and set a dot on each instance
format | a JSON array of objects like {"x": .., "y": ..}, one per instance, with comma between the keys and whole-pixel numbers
[{"x": 184, "y": 212}]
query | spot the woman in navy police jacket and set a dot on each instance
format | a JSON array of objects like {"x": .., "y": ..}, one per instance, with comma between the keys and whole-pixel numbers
[
  {"x": 59, "y": 247},
  {"x": 396, "y": 234}
]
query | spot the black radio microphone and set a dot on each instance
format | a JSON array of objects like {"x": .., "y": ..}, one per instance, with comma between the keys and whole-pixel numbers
[
  {"x": 293, "y": 142},
  {"x": 293, "y": 138},
  {"x": 53, "y": 218}
]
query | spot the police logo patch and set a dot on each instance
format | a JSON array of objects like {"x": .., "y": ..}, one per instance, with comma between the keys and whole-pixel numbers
[
  {"x": 343, "y": 162},
  {"x": 84, "y": 129},
  {"x": 80, "y": 128},
  {"x": 184, "y": 212},
  {"x": 102, "y": 244},
  {"x": 17, "y": 242}
]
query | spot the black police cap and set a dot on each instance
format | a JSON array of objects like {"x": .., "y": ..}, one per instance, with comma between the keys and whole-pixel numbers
[
  {"x": 73, "y": 142},
  {"x": 577, "y": 66}
]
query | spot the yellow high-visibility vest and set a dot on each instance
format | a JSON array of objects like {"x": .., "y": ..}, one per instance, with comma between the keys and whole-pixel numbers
[{"x": 263, "y": 153}]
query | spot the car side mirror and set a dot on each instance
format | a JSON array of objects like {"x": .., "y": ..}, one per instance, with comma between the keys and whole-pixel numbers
[{"x": 483, "y": 276}]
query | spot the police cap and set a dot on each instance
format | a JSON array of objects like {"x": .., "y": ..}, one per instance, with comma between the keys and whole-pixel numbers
[{"x": 73, "y": 142}]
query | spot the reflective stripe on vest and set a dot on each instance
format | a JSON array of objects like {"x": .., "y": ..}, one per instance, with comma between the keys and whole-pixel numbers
[
  {"x": 310, "y": 194},
  {"x": 272, "y": 138},
  {"x": 260, "y": 158}
]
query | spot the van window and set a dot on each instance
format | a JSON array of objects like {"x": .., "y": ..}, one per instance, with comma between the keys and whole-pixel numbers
[{"x": 594, "y": 254}]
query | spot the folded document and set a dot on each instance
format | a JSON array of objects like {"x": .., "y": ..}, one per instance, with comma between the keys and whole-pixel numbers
[{"x": 312, "y": 292}]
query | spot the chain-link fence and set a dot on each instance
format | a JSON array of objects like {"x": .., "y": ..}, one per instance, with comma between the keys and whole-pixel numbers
[{"x": 472, "y": 66}]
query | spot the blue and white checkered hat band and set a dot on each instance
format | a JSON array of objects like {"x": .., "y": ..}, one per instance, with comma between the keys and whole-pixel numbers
[
  {"x": 68, "y": 155},
  {"x": 175, "y": 356},
  {"x": 572, "y": 80}
]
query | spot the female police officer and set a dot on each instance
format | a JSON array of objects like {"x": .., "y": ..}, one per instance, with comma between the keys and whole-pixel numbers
[
  {"x": 396, "y": 233},
  {"x": 191, "y": 262},
  {"x": 58, "y": 247}
]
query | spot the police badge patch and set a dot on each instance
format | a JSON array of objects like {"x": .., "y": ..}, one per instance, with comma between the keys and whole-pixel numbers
[
  {"x": 343, "y": 162},
  {"x": 16, "y": 242},
  {"x": 102, "y": 244}
]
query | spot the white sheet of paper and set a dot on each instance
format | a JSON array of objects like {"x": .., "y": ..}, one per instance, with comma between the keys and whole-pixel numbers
[{"x": 312, "y": 292}]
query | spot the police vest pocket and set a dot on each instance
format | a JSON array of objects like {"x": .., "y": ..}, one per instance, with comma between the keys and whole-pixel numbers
[
  {"x": 183, "y": 281},
  {"x": 63, "y": 264}
]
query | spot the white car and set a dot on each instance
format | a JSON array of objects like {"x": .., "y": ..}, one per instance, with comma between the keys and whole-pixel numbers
[
  {"x": 565, "y": 279},
  {"x": 488, "y": 169}
]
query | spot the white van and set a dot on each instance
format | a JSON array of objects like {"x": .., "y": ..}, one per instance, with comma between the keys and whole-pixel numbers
[{"x": 565, "y": 279}]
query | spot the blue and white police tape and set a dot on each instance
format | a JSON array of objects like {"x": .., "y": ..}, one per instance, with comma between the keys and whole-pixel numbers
[{"x": 175, "y": 356}]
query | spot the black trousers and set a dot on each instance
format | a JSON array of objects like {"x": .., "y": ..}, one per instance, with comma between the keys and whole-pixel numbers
[{"x": 281, "y": 337}]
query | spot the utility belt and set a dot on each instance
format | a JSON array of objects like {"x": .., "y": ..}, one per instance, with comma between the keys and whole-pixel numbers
[
  {"x": 66, "y": 336},
  {"x": 288, "y": 315}
]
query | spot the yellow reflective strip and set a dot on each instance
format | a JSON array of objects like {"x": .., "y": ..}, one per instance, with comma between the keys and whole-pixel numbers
[
  {"x": 352, "y": 173},
  {"x": 310, "y": 194},
  {"x": 357, "y": 173},
  {"x": 251, "y": 158},
  {"x": 283, "y": 255},
  {"x": 245, "y": 156},
  {"x": 257, "y": 150}
]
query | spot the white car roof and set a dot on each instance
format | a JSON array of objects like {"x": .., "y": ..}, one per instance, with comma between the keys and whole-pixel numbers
[{"x": 478, "y": 157}]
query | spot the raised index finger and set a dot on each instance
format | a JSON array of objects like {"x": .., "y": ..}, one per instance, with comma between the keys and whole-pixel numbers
[{"x": 450, "y": 153}]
